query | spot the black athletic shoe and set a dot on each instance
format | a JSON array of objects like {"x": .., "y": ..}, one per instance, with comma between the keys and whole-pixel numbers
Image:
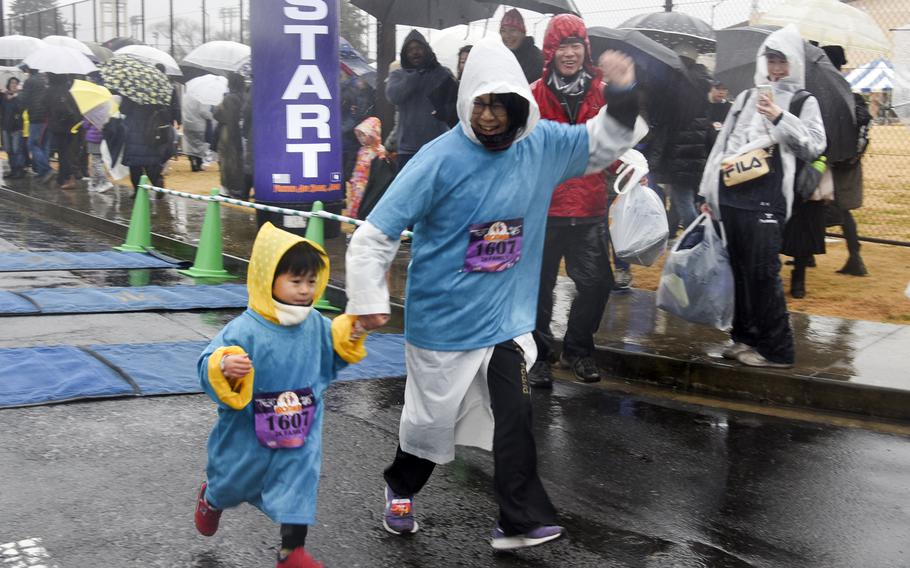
[
  {"x": 585, "y": 369},
  {"x": 540, "y": 377}
]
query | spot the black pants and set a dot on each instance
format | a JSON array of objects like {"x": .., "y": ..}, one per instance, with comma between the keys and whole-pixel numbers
[
  {"x": 760, "y": 318},
  {"x": 68, "y": 152},
  {"x": 584, "y": 248},
  {"x": 293, "y": 536},
  {"x": 153, "y": 172},
  {"x": 850, "y": 233},
  {"x": 523, "y": 501},
  {"x": 195, "y": 163}
]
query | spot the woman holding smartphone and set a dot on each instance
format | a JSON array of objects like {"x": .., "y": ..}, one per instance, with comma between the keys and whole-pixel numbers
[{"x": 753, "y": 212}]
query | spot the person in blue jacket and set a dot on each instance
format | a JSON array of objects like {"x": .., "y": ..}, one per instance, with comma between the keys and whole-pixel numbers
[
  {"x": 267, "y": 371},
  {"x": 477, "y": 197}
]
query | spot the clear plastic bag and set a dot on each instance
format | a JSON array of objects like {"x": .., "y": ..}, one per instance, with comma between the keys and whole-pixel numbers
[
  {"x": 638, "y": 220},
  {"x": 697, "y": 281}
]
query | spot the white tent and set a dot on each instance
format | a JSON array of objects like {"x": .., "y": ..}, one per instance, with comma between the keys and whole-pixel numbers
[{"x": 873, "y": 77}]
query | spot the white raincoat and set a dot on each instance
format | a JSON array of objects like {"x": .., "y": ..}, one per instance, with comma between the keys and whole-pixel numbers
[
  {"x": 455, "y": 317},
  {"x": 802, "y": 136}
]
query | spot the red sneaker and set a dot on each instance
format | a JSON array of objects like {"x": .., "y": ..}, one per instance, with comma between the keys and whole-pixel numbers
[
  {"x": 299, "y": 558},
  {"x": 207, "y": 517}
]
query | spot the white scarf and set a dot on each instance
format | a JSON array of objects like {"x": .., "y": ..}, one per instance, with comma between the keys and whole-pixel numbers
[{"x": 291, "y": 315}]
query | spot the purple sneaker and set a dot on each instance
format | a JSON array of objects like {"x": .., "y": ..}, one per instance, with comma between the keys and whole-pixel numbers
[
  {"x": 399, "y": 513},
  {"x": 540, "y": 535}
]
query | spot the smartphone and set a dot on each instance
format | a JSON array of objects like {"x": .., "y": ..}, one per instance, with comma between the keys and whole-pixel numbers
[{"x": 766, "y": 90}]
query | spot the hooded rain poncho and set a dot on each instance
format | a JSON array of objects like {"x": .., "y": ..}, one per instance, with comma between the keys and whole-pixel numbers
[
  {"x": 453, "y": 192},
  {"x": 796, "y": 136},
  {"x": 308, "y": 355}
]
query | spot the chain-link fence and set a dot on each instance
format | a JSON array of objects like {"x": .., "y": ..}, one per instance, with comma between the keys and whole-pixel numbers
[{"x": 172, "y": 26}]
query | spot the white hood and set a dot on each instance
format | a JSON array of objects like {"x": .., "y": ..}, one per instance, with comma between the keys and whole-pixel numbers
[
  {"x": 788, "y": 41},
  {"x": 492, "y": 68}
]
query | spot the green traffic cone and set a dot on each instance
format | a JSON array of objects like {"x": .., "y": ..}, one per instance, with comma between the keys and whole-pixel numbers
[
  {"x": 139, "y": 235},
  {"x": 209, "y": 263},
  {"x": 315, "y": 232}
]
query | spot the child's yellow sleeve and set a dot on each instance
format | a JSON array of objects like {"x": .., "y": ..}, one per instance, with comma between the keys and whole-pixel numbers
[
  {"x": 350, "y": 350},
  {"x": 236, "y": 393}
]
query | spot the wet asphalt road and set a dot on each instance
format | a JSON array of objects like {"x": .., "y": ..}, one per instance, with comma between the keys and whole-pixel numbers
[{"x": 639, "y": 482}]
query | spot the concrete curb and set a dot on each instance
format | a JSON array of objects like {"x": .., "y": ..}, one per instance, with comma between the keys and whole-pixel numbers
[{"x": 755, "y": 385}]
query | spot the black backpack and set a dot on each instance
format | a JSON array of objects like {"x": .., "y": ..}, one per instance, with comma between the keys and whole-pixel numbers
[{"x": 160, "y": 134}]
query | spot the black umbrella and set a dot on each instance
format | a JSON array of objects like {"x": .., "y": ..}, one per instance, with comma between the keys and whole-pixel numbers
[
  {"x": 737, "y": 50},
  {"x": 658, "y": 63},
  {"x": 542, "y": 6},
  {"x": 437, "y": 14},
  {"x": 672, "y": 28},
  {"x": 116, "y": 43}
]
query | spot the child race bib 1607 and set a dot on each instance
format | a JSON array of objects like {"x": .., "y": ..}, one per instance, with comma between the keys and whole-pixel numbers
[
  {"x": 283, "y": 419},
  {"x": 494, "y": 246}
]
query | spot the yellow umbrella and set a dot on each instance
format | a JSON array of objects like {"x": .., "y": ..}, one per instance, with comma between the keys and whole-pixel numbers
[{"x": 95, "y": 102}]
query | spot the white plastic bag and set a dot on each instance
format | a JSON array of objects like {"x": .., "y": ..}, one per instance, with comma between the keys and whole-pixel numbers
[
  {"x": 117, "y": 170},
  {"x": 697, "y": 281},
  {"x": 638, "y": 220}
]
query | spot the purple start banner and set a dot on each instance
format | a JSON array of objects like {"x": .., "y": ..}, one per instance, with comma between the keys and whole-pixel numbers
[{"x": 296, "y": 124}]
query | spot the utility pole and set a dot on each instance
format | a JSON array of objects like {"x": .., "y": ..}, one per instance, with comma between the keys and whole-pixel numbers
[
  {"x": 2, "y": 27},
  {"x": 385, "y": 54},
  {"x": 668, "y": 5}
]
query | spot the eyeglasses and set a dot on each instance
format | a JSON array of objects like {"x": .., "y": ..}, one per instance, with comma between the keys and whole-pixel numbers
[{"x": 496, "y": 107}]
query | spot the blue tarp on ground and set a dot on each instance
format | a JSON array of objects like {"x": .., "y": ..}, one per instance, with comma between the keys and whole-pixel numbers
[
  {"x": 12, "y": 303},
  {"x": 157, "y": 368},
  {"x": 123, "y": 299},
  {"x": 54, "y": 260},
  {"x": 39, "y": 375}
]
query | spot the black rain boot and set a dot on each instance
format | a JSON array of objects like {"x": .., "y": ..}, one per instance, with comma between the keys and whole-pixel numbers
[
  {"x": 798, "y": 280},
  {"x": 854, "y": 266}
]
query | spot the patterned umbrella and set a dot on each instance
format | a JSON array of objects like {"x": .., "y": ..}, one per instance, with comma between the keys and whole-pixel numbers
[
  {"x": 672, "y": 28},
  {"x": 137, "y": 81}
]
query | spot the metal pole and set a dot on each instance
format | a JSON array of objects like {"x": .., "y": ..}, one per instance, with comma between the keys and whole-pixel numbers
[
  {"x": 40, "y": 31},
  {"x": 74, "y": 21},
  {"x": 142, "y": 13},
  {"x": 171, "y": 18},
  {"x": 385, "y": 54},
  {"x": 204, "y": 14},
  {"x": 241, "y": 20},
  {"x": 95, "y": 19},
  {"x": 2, "y": 27},
  {"x": 116, "y": 18}
]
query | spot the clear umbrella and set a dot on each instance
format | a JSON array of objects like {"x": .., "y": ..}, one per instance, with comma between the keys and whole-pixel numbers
[
  {"x": 437, "y": 14},
  {"x": 218, "y": 56},
  {"x": 18, "y": 46},
  {"x": 829, "y": 22},
  {"x": 69, "y": 42},
  {"x": 673, "y": 28},
  {"x": 152, "y": 55},
  {"x": 901, "y": 60},
  {"x": 60, "y": 60},
  {"x": 207, "y": 89}
]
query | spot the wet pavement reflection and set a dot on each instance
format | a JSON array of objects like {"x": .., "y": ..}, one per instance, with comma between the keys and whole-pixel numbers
[{"x": 637, "y": 481}]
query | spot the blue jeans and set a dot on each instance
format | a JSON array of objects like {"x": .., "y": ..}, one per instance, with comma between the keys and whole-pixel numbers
[
  {"x": 682, "y": 200},
  {"x": 15, "y": 149},
  {"x": 39, "y": 144}
]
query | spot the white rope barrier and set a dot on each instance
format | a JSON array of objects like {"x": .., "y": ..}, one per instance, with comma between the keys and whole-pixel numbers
[{"x": 261, "y": 207}]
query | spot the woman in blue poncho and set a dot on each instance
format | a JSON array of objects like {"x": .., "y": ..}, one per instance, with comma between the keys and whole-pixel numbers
[{"x": 477, "y": 198}]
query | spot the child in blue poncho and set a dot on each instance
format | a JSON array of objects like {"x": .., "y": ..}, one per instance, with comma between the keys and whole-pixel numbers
[{"x": 266, "y": 446}]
